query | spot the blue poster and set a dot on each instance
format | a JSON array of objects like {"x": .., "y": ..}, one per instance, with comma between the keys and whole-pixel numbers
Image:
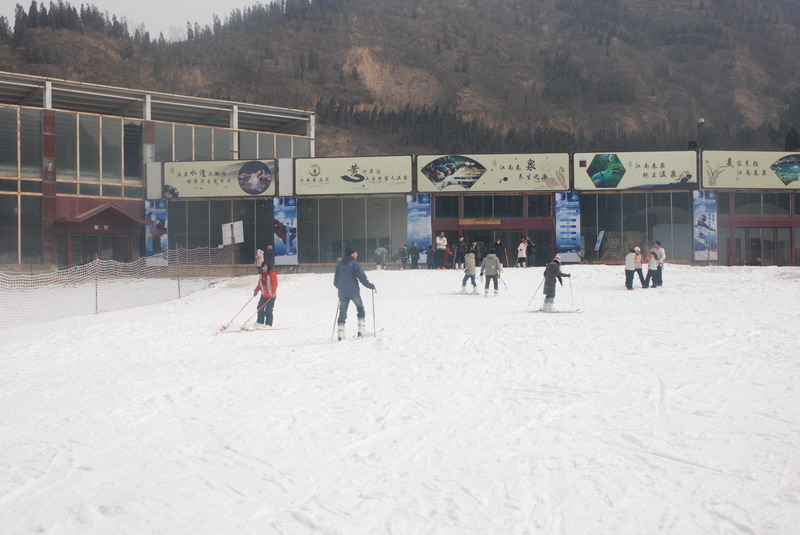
[
  {"x": 418, "y": 220},
  {"x": 705, "y": 225},
  {"x": 155, "y": 212},
  {"x": 285, "y": 233},
  {"x": 568, "y": 226}
]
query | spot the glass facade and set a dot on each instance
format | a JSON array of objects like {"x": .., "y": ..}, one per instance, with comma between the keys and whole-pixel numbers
[{"x": 8, "y": 142}]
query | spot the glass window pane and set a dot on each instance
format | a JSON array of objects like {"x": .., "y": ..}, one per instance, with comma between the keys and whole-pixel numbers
[
  {"x": 783, "y": 248},
  {"x": 283, "y": 147},
  {"x": 8, "y": 229},
  {"x": 176, "y": 216},
  {"x": 539, "y": 206},
  {"x": 132, "y": 145},
  {"x": 776, "y": 204},
  {"x": 609, "y": 219},
  {"x": 8, "y": 141},
  {"x": 747, "y": 203},
  {"x": 66, "y": 146},
  {"x": 9, "y": 184},
  {"x": 446, "y": 206},
  {"x": 202, "y": 143},
  {"x": 724, "y": 203},
  {"x": 90, "y": 189},
  {"x": 266, "y": 146},
  {"x": 724, "y": 245},
  {"x": 378, "y": 226},
  {"x": 354, "y": 232},
  {"x": 634, "y": 221},
  {"x": 77, "y": 250},
  {"x": 89, "y": 131},
  {"x": 163, "y": 142},
  {"x": 265, "y": 223},
  {"x": 589, "y": 228},
  {"x": 244, "y": 211},
  {"x": 399, "y": 223},
  {"x": 112, "y": 191},
  {"x": 302, "y": 147},
  {"x": 222, "y": 144},
  {"x": 107, "y": 247},
  {"x": 121, "y": 252},
  {"x": 30, "y": 142},
  {"x": 247, "y": 146},
  {"x": 680, "y": 242},
  {"x": 507, "y": 206},
  {"x": 183, "y": 143},
  {"x": 197, "y": 220},
  {"x": 220, "y": 214},
  {"x": 308, "y": 230},
  {"x": 474, "y": 206},
  {"x": 112, "y": 150},
  {"x": 61, "y": 250},
  {"x": 30, "y": 186},
  {"x": 331, "y": 244}
]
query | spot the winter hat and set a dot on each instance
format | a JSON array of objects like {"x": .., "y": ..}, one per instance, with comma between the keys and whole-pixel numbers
[
  {"x": 636, "y": 249},
  {"x": 557, "y": 258},
  {"x": 348, "y": 251},
  {"x": 653, "y": 250}
]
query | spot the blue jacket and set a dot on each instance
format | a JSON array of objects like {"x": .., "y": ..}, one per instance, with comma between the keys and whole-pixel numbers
[{"x": 348, "y": 273}]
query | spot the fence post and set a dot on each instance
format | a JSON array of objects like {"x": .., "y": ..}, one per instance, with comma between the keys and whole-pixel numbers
[{"x": 96, "y": 288}]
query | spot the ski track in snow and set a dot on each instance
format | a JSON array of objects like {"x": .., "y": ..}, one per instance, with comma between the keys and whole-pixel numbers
[{"x": 669, "y": 410}]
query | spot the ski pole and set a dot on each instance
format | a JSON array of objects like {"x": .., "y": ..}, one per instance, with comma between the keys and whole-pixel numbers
[
  {"x": 570, "y": 292},
  {"x": 335, "y": 316},
  {"x": 240, "y": 311},
  {"x": 257, "y": 311},
  {"x": 374, "y": 329},
  {"x": 534, "y": 294},
  {"x": 501, "y": 280}
]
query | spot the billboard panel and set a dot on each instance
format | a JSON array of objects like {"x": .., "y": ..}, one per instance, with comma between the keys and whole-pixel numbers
[
  {"x": 751, "y": 170},
  {"x": 285, "y": 237},
  {"x": 568, "y": 226},
  {"x": 457, "y": 173},
  {"x": 603, "y": 171},
  {"x": 705, "y": 225},
  {"x": 156, "y": 239},
  {"x": 353, "y": 175},
  {"x": 223, "y": 178}
]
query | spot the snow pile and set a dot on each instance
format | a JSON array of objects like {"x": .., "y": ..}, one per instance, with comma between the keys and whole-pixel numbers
[{"x": 669, "y": 410}]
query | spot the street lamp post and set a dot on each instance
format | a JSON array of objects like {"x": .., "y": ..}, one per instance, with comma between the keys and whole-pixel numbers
[{"x": 700, "y": 123}]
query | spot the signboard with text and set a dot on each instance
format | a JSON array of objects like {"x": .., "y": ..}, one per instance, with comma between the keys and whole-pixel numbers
[
  {"x": 459, "y": 173},
  {"x": 751, "y": 170},
  {"x": 604, "y": 171},
  {"x": 353, "y": 175},
  {"x": 224, "y": 178}
]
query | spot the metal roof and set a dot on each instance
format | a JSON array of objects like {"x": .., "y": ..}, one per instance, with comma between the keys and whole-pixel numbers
[{"x": 28, "y": 90}]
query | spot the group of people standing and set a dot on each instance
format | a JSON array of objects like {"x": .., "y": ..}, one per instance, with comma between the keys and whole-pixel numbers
[{"x": 655, "y": 267}]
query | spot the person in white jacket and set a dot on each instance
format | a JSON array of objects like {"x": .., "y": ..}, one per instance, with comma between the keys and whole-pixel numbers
[
  {"x": 630, "y": 268},
  {"x": 441, "y": 248},
  {"x": 661, "y": 254},
  {"x": 469, "y": 273},
  {"x": 522, "y": 252},
  {"x": 652, "y": 268}
]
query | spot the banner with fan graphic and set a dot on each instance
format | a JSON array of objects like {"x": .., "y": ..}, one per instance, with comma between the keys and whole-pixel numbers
[{"x": 458, "y": 173}]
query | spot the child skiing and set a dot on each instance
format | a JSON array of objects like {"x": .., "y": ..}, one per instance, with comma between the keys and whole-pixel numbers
[
  {"x": 469, "y": 273},
  {"x": 493, "y": 268},
  {"x": 552, "y": 272},
  {"x": 268, "y": 286}
]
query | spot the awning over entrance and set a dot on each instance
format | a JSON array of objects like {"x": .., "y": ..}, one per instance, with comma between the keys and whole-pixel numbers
[{"x": 105, "y": 209}]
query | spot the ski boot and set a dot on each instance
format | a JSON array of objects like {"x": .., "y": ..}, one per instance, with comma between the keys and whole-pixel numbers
[
  {"x": 361, "y": 327},
  {"x": 340, "y": 331}
]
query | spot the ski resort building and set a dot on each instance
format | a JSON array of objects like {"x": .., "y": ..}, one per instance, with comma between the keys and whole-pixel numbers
[{"x": 90, "y": 171}]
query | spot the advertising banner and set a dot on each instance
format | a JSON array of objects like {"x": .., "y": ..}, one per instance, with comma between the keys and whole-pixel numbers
[
  {"x": 705, "y": 225},
  {"x": 224, "y": 178},
  {"x": 456, "y": 173},
  {"x": 568, "y": 226},
  {"x": 285, "y": 238},
  {"x": 156, "y": 241},
  {"x": 418, "y": 223},
  {"x": 635, "y": 170},
  {"x": 745, "y": 170},
  {"x": 353, "y": 175}
]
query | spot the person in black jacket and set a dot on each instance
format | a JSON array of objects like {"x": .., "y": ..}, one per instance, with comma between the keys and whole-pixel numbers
[
  {"x": 552, "y": 272},
  {"x": 269, "y": 257},
  {"x": 414, "y": 253},
  {"x": 348, "y": 274},
  {"x": 500, "y": 251},
  {"x": 459, "y": 253}
]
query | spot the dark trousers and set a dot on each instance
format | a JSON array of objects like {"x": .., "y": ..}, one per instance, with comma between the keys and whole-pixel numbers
[
  {"x": 265, "y": 306},
  {"x": 403, "y": 263},
  {"x": 660, "y": 274},
  {"x": 629, "y": 273},
  {"x": 641, "y": 276},
  {"x": 652, "y": 274},
  {"x": 491, "y": 278},
  {"x": 414, "y": 263},
  {"x": 344, "y": 302},
  {"x": 440, "y": 258},
  {"x": 469, "y": 277}
]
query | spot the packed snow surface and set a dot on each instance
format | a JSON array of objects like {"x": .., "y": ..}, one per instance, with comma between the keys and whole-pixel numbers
[{"x": 670, "y": 410}]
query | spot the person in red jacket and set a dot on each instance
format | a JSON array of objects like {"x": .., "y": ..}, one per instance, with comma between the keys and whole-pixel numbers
[{"x": 268, "y": 286}]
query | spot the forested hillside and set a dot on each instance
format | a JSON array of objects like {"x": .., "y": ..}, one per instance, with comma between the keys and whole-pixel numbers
[{"x": 459, "y": 75}]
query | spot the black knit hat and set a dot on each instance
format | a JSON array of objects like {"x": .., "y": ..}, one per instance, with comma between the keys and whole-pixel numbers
[{"x": 348, "y": 251}]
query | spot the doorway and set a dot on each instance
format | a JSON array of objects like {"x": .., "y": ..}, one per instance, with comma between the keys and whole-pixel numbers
[{"x": 763, "y": 246}]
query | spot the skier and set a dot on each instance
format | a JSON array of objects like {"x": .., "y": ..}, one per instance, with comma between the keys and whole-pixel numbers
[
  {"x": 639, "y": 260},
  {"x": 268, "y": 286},
  {"x": 348, "y": 274},
  {"x": 493, "y": 268},
  {"x": 552, "y": 272},
  {"x": 403, "y": 254},
  {"x": 652, "y": 268},
  {"x": 460, "y": 251},
  {"x": 259, "y": 259},
  {"x": 469, "y": 273},
  {"x": 630, "y": 268},
  {"x": 522, "y": 253},
  {"x": 414, "y": 254}
]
